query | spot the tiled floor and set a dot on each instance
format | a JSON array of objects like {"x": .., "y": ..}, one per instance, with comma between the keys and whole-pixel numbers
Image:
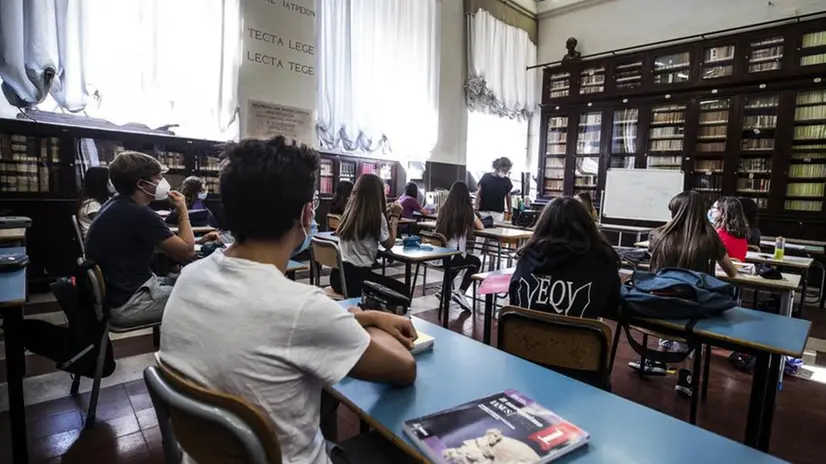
[{"x": 127, "y": 427}]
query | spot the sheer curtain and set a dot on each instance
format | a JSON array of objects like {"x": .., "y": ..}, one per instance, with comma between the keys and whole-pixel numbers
[
  {"x": 154, "y": 62},
  {"x": 379, "y": 75}
]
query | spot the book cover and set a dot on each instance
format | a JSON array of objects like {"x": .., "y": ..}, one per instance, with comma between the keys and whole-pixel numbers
[{"x": 505, "y": 428}]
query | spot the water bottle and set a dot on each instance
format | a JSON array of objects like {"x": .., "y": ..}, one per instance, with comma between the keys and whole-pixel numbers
[{"x": 779, "y": 248}]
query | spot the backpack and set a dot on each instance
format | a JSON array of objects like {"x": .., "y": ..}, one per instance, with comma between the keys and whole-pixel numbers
[
  {"x": 674, "y": 293},
  {"x": 74, "y": 347},
  {"x": 671, "y": 293}
]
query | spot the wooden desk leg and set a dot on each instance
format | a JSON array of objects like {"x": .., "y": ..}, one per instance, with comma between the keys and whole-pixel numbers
[
  {"x": 775, "y": 366},
  {"x": 488, "y": 318},
  {"x": 757, "y": 399},
  {"x": 15, "y": 370}
]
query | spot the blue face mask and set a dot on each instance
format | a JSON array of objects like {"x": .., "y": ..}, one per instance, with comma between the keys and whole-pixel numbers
[
  {"x": 203, "y": 195},
  {"x": 307, "y": 239}
]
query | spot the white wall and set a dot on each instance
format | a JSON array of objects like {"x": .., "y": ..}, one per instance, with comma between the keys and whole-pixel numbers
[
  {"x": 611, "y": 24},
  {"x": 451, "y": 147}
]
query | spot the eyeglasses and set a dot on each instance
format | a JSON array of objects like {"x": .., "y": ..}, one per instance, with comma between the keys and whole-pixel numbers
[{"x": 316, "y": 200}]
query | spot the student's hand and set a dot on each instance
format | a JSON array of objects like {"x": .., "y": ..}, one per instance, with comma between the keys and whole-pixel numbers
[
  {"x": 401, "y": 328},
  {"x": 395, "y": 209},
  {"x": 210, "y": 237},
  {"x": 177, "y": 200},
  {"x": 354, "y": 310}
]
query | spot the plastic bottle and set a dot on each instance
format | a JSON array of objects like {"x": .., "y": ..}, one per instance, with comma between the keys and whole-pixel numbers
[{"x": 779, "y": 248}]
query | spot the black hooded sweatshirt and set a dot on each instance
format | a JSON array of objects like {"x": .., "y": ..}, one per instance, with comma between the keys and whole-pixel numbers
[{"x": 567, "y": 283}]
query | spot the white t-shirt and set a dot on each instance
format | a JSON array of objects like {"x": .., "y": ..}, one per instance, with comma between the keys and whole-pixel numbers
[
  {"x": 362, "y": 253},
  {"x": 458, "y": 243},
  {"x": 243, "y": 328},
  {"x": 89, "y": 207}
]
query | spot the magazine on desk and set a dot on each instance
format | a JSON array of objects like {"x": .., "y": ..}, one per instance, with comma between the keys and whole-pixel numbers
[{"x": 505, "y": 428}]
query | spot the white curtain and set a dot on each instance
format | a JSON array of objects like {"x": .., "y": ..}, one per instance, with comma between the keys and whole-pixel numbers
[
  {"x": 490, "y": 136},
  {"x": 155, "y": 62},
  {"x": 498, "y": 55},
  {"x": 379, "y": 75}
]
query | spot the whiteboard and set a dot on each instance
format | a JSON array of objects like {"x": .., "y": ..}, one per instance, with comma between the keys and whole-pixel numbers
[{"x": 641, "y": 194}]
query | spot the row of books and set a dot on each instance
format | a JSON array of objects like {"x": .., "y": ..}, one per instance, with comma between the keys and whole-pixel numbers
[
  {"x": 812, "y": 60},
  {"x": 27, "y": 148},
  {"x": 760, "y": 121},
  {"x": 29, "y": 177},
  {"x": 753, "y": 185},
  {"x": 711, "y": 147},
  {"x": 804, "y": 189},
  {"x": 755, "y": 165},
  {"x": 803, "y": 205},
  {"x": 661, "y": 132},
  {"x": 712, "y": 131},
  {"x": 716, "y": 72},
  {"x": 666, "y": 145},
  {"x": 811, "y": 98},
  {"x": 758, "y": 144},
  {"x": 676, "y": 117},
  {"x": 714, "y": 116},
  {"x": 807, "y": 113},
  {"x": 810, "y": 132},
  {"x": 807, "y": 170},
  {"x": 708, "y": 165}
]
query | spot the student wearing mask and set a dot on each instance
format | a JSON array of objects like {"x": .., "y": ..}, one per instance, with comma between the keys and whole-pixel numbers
[
  {"x": 96, "y": 192},
  {"x": 731, "y": 225},
  {"x": 567, "y": 248},
  {"x": 123, "y": 237},
  {"x": 409, "y": 201},
  {"x": 343, "y": 191},
  {"x": 687, "y": 241},
  {"x": 493, "y": 197},
  {"x": 195, "y": 192},
  {"x": 280, "y": 342},
  {"x": 366, "y": 223},
  {"x": 456, "y": 221}
]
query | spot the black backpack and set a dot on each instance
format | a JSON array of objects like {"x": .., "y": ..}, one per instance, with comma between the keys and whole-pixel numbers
[{"x": 74, "y": 347}]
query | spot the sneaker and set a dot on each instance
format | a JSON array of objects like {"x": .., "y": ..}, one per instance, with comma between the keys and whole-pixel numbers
[
  {"x": 684, "y": 382},
  {"x": 651, "y": 367},
  {"x": 461, "y": 300}
]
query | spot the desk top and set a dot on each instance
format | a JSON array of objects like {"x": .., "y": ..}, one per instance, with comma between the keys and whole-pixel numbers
[
  {"x": 401, "y": 253},
  {"x": 768, "y": 242},
  {"x": 12, "y": 235},
  {"x": 621, "y": 431},
  {"x": 786, "y": 335},
  {"x": 294, "y": 266},
  {"x": 797, "y": 241},
  {"x": 196, "y": 230},
  {"x": 427, "y": 224},
  {"x": 504, "y": 233},
  {"x": 622, "y": 228},
  {"x": 12, "y": 284},
  {"x": 798, "y": 262},
  {"x": 484, "y": 275}
]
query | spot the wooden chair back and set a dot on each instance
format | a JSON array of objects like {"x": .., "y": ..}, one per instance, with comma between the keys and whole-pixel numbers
[
  {"x": 209, "y": 442},
  {"x": 333, "y": 221},
  {"x": 577, "y": 347}
]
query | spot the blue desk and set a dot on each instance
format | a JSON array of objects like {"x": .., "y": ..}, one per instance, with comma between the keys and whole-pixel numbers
[
  {"x": 12, "y": 300},
  {"x": 410, "y": 256},
  {"x": 295, "y": 266},
  {"x": 459, "y": 369}
]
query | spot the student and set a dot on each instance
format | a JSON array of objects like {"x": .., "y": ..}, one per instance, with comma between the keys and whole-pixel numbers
[
  {"x": 588, "y": 202},
  {"x": 409, "y": 201},
  {"x": 195, "y": 192},
  {"x": 363, "y": 227},
  {"x": 343, "y": 191},
  {"x": 124, "y": 235},
  {"x": 732, "y": 227},
  {"x": 493, "y": 197},
  {"x": 750, "y": 210},
  {"x": 236, "y": 324},
  {"x": 455, "y": 221},
  {"x": 96, "y": 191},
  {"x": 567, "y": 267},
  {"x": 687, "y": 241}
]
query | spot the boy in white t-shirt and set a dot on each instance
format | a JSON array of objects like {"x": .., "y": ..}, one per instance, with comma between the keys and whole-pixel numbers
[{"x": 236, "y": 324}]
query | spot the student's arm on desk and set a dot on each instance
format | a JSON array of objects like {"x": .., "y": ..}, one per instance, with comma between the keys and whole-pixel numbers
[
  {"x": 387, "y": 358},
  {"x": 477, "y": 223},
  {"x": 727, "y": 266}
]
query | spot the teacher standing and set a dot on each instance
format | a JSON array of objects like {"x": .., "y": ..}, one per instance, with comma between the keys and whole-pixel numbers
[{"x": 494, "y": 193}]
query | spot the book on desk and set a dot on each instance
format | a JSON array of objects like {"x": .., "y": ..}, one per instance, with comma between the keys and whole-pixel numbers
[{"x": 503, "y": 428}]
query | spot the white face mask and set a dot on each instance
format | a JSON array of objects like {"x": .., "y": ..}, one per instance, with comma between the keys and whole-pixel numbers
[
  {"x": 203, "y": 195},
  {"x": 161, "y": 190},
  {"x": 502, "y": 174},
  {"x": 110, "y": 187}
]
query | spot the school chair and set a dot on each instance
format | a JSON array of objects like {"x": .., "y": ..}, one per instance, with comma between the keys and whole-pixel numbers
[
  {"x": 210, "y": 426},
  {"x": 79, "y": 236},
  {"x": 576, "y": 347},
  {"x": 326, "y": 253},
  {"x": 93, "y": 280},
  {"x": 333, "y": 221}
]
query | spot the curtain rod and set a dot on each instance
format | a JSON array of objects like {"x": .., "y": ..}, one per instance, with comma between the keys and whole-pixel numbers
[
  {"x": 688, "y": 38},
  {"x": 519, "y": 9}
]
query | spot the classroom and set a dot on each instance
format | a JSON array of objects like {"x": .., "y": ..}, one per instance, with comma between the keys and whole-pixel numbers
[{"x": 403, "y": 231}]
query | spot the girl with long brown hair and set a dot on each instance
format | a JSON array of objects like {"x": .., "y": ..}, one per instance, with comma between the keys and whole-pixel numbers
[
  {"x": 366, "y": 223},
  {"x": 732, "y": 226},
  {"x": 567, "y": 267},
  {"x": 687, "y": 241},
  {"x": 456, "y": 220}
]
